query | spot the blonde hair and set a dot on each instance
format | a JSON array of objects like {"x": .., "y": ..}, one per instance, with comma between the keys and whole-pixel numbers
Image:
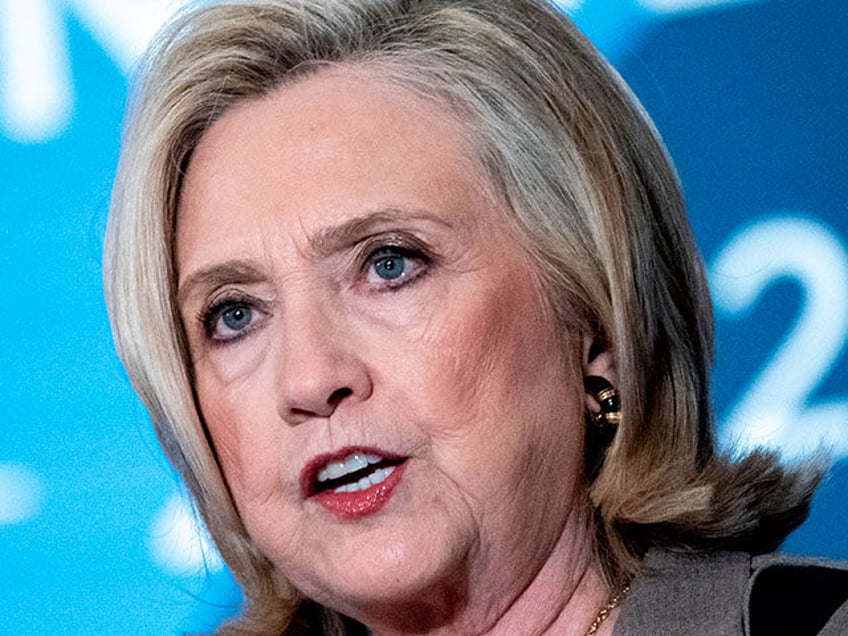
[{"x": 574, "y": 158}]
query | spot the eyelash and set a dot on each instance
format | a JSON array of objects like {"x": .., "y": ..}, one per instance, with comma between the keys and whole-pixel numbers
[
  {"x": 214, "y": 312},
  {"x": 383, "y": 250},
  {"x": 210, "y": 316}
]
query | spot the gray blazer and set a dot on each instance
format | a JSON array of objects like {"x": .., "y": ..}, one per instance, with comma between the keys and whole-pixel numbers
[{"x": 733, "y": 594}]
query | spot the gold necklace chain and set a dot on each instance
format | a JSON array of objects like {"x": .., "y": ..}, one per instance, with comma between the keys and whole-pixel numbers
[{"x": 606, "y": 610}]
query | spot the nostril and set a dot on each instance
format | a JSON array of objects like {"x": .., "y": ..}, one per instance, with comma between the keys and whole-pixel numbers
[{"x": 338, "y": 395}]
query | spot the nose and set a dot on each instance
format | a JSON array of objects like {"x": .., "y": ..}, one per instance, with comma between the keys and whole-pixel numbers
[{"x": 319, "y": 368}]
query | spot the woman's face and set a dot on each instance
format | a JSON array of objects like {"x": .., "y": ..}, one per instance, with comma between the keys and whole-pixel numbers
[{"x": 381, "y": 377}]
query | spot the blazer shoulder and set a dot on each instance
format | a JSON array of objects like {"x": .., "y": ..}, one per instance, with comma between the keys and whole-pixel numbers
[{"x": 794, "y": 595}]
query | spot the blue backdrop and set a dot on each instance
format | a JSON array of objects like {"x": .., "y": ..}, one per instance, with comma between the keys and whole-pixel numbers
[{"x": 95, "y": 536}]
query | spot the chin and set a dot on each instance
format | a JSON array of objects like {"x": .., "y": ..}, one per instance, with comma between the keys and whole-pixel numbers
[{"x": 391, "y": 568}]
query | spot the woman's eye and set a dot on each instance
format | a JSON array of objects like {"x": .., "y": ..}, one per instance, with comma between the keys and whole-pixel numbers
[
  {"x": 390, "y": 267},
  {"x": 394, "y": 267},
  {"x": 237, "y": 318},
  {"x": 229, "y": 321}
]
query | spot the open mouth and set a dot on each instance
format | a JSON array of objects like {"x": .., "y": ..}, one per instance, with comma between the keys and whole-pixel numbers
[{"x": 353, "y": 472}]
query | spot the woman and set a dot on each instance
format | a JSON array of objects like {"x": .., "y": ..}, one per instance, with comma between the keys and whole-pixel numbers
[{"x": 408, "y": 289}]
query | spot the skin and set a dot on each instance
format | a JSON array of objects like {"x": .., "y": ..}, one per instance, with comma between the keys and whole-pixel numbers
[{"x": 288, "y": 204}]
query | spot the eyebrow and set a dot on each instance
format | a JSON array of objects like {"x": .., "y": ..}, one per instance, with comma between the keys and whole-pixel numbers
[
  {"x": 331, "y": 239},
  {"x": 229, "y": 272},
  {"x": 324, "y": 242}
]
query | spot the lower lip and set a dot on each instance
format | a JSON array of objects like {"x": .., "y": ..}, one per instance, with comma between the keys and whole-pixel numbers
[{"x": 349, "y": 506}]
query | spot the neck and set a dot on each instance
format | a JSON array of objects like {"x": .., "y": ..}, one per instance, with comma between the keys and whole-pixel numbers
[{"x": 561, "y": 598}]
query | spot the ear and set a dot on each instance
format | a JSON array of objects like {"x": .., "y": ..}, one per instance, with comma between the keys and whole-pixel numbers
[{"x": 598, "y": 359}]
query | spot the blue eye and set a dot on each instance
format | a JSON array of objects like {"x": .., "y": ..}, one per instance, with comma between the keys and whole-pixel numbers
[
  {"x": 390, "y": 267},
  {"x": 237, "y": 318},
  {"x": 393, "y": 267},
  {"x": 228, "y": 320}
]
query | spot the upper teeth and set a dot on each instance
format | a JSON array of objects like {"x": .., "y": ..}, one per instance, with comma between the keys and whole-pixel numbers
[{"x": 350, "y": 464}]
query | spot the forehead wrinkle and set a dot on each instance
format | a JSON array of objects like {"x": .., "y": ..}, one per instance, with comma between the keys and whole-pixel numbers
[
  {"x": 331, "y": 239},
  {"x": 243, "y": 271}
]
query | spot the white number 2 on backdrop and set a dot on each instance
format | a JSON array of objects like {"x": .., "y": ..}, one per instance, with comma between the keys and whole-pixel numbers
[{"x": 777, "y": 409}]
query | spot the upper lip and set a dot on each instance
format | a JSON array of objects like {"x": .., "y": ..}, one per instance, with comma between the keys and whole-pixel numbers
[{"x": 357, "y": 458}]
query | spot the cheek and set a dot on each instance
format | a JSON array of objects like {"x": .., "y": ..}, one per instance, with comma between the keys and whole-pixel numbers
[
  {"x": 219, "y": 367},
  {"x": 244, "y": 446},
  {"x": 498, "y": 354},
  {"x": 505, "y": 405}
]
